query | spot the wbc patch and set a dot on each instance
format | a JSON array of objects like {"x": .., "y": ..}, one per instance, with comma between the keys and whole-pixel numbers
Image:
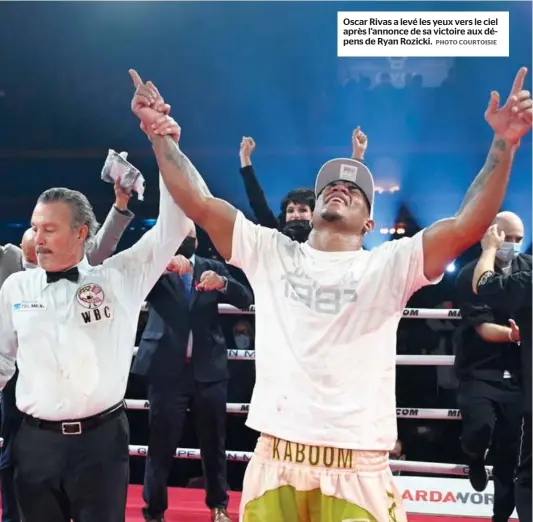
[{"x": 92, "y": 298}]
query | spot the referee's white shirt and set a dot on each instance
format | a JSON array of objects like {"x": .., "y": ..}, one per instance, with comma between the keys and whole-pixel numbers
[{"x": 73, "y": 342}]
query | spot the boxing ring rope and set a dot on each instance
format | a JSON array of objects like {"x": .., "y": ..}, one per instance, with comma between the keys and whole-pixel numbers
[
  {"x": 408, "y": 313},
  {"x": 401, "y": 360},
  {"x": 431, "y": 468},
  {"x": 396, "y": 465},
  {"x": 401, "y": 413}
]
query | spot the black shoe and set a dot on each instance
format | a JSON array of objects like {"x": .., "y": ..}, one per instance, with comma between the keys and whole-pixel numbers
[
  {"x": 150, "y": 518},
  {"x": 478, "y": 476}
]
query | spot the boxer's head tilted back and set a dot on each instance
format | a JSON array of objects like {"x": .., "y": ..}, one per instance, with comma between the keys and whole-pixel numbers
[
  {"x": 345, "y": 198},
  {"x": 63, "y": 222}
]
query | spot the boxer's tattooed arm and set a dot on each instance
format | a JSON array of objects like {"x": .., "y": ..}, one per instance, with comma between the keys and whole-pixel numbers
[
  {"x": 173, "y": 154},
  {"x": 447, "y": 239},
  {"x": 493, "y": 160},
  {"x": 190, "y": 193}
]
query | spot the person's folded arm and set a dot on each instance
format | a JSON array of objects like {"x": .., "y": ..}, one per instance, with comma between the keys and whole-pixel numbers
[
  {"x": 478, "y": 314},
  {"x": 235, "y": 293}
]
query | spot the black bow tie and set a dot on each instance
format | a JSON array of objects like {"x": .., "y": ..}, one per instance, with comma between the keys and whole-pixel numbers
[{"x": 72, "y": 274}]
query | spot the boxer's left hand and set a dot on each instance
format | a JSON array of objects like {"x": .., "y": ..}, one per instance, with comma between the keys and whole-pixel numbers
[{"x": 210, "y": 281}]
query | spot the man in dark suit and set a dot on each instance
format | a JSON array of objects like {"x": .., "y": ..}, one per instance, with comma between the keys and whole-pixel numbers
[
  {"x": 14, "y": 259},
  {"x": 183, "y": 356}
]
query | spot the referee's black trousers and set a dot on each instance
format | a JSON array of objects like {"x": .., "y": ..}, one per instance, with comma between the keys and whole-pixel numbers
[
  {"x": 11, "y": 420},
  {"x": 491, "y": 417},
  {"x": 523, "y": 474},
  {"x": 83, "y": 477}
]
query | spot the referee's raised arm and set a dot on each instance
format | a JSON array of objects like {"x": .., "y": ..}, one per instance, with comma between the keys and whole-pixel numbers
[{"x": 140, "y": 266}]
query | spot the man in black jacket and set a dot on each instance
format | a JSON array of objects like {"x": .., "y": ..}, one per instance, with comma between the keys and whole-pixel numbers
[
  {"x": 183, "y": 356},
  {"x": 488, "y": 368},
  {"x": 513, "y": 294}
]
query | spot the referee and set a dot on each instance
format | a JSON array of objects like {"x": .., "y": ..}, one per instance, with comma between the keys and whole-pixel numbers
[
  {"x": 71, "y": 329},
  {"x": 513, "y": 294}
]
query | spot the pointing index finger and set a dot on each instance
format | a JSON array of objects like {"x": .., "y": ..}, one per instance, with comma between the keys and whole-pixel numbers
[
  {"x": 137, "y": 80},
  {"x": 518, "y": 83}
]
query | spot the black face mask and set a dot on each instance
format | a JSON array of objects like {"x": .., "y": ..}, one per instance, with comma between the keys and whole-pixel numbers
[
  {"x": 187, "y": 248},
  {"x": 297, "y": 230}
]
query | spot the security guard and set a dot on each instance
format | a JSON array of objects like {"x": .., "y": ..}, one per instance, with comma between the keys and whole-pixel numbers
[
  {"x": 488, "y": 368},
  {"x": 513, "y": 294}
]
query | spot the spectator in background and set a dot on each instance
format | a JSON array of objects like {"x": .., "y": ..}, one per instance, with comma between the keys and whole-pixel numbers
[
  {"x": 488, "y": 368},
  {"x": 242, "y": 373},
  {"x": 297, "y": 206},
  {"x": 183, "y": 356},
  {"x": 243, "y": 335}
]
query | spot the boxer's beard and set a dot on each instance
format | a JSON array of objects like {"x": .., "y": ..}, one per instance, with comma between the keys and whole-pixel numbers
[{"x": 330, "y": 217}]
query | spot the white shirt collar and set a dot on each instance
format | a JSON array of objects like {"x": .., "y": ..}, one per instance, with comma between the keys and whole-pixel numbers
[{"x": 27, "y": 265}]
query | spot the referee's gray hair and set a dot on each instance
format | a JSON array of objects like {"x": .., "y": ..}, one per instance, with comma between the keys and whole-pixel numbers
[{"x": 82, "y": 210}]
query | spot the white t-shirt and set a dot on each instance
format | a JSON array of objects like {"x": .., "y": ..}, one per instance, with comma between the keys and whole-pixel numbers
[{"x": 326, "y": 336}]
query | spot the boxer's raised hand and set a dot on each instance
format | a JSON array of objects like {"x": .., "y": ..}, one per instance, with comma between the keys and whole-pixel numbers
[
  {"x": 147, "y": 103},
  {"x": 513, "y": 120}
]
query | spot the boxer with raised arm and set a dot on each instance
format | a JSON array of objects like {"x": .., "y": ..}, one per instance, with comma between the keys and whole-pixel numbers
[{"x": 327, "y": 312}]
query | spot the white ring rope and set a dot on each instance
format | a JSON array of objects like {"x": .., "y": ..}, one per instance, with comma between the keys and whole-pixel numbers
[
  {"x": 401, "y": 360},
  {"x": 432, "y": 468},
  {"x": 401, "y": 413},
  {"x": 408, "y": 313}
]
